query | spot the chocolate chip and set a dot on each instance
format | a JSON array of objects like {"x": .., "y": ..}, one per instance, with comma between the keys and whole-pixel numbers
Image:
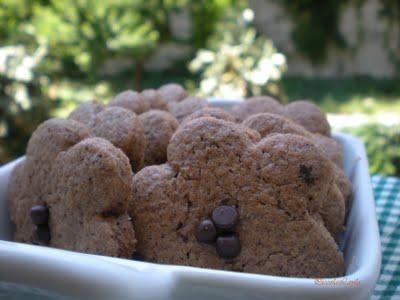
[
  {"x": 137, "y": 256},
  {"x": 306, "y": 175},
  {"x": 40, "y": 214},
  {"x": 41, "y": 235},
  {"x": 228, "y": 246},
  {"x": 206, "y": 231},
  {"x": 225, "y": 217}
]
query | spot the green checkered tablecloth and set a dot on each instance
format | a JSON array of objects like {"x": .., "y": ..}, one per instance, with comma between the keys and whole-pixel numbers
[{"x": 387, "y": 200}]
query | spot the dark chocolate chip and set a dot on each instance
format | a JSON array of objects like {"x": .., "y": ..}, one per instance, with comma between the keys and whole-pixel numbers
[
  {"x": 206, "y": 232},
  {"x": 137, "y": 256},
  {"x": 41, "y": 235},
  {"x": 306, "y": 174},
  {"x": 40, "y": 214},
  {"x": 225, "y": 217},
  {"x": 228, "y": 246}
]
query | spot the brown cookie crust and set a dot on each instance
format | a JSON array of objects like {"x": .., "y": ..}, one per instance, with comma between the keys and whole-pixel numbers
[
  {"x": 30, "y": 182},
  {"x": 213, "y": 112},
  {"x": 335, "y": 204},
  {"x": 266, "y": 123},
  {"x": 130, "y": 100},
  {"x": 172, "y": 92},
  {"x": 155, "y": 99},
  {"x": 345, "y": 187},
  {"x": 304, "y": 113},
  {"x": 20, "y": 203},
  {"x": 159, "y": 126},
  {"x": 124, "y": 130},
  {"x": 309, "y": 116},
  {"x": 186, "y": 107},
  {"x": 49, "y": 139},
  {"x": 255, "y": 105},
  {"x": 91, "y": 189},
  {"x": 331, "y": 148},
  {"x": 86, "y": 112},
  {"x": 213, "y": 162}
]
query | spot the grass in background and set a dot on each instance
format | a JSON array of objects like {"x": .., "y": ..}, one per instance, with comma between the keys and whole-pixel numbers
[
  {"x": 350, "y": 95},
  {"x": 358, "y": 94}
]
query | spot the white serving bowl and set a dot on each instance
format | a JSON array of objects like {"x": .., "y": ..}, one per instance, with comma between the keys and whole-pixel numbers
[{"x": 85, "y": 276}]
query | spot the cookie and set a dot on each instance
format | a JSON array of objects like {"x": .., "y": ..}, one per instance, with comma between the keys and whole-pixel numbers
[
  {"x": 331, "y": 148},
  {"x": 130, "y": 100},
  {"x": 214, "y": 112},
  {"x": 50, "y": 138},
  {"x": 255, "y": 105},
  {"x": 345, "y": 187},
  {"x": 309, "y": 116},
  {"x": 20, "y": 203},
  {"x": 159, "y": 126},
  {"x": 85, "y": 112},
  {"x": 172, "y": 92},
  {"x": 124, "y": 130},
  {"x": 335, "y": 205},
  {"x": 186, "y": 107},
  {"x": 31, "y": 180},
  {"x": 276, "y": 185},
  {"x": 266, "y": 123},
  {"x": 92, "y": 186},
  {"x": 304, "y": 113},
  {"x": 155, "y": 100}
]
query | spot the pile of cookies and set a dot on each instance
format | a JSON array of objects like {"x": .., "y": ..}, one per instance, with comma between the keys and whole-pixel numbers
[{"x": 164, "y": 176}]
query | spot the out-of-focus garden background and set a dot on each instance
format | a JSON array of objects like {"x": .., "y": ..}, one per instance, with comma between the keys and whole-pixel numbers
[{"x": 344, "y": 55}]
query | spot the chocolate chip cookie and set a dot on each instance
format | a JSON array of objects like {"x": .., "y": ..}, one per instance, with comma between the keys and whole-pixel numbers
[
  {"x": 267, "y": 123},
  {"x": 30, "y": 181},
  {"x": 208, "y": 111},
  {"x": 72, "y": 192},
  {"x": 276, "y": 185},
  {"x": 172, "y": 92},
  {"x": 338, "y": 200},
  {"x": 155, "y": 99},
  {"x": 86, "y": 112},
  {"x": 124, "y": 129},
  {"x": 92, "y": 186},
  {"x": 304, "y": 113},
  {"x": 132, "y": 101},
  {"x": 159, "y": 126},
  {"x": 186, "y": 107}
]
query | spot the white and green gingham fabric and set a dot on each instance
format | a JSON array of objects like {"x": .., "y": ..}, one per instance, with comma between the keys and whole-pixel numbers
[{"x": 387, "y": 200}]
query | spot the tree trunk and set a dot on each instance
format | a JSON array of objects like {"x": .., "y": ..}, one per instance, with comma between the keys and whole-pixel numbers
[{"x": 138, "y": 76}]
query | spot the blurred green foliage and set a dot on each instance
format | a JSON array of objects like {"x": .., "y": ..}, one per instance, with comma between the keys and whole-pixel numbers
[
  {"x": 383, "y": 147},
  {"x": 315, "y": 26},
  {"x": 237, "y": 61},
  {"x": 22, "y": 102},
  {"x": 87, "y": 32},
  {"x": 13, "y": 13},
  {"x": 347, "y": 95},
  {"x": 79, "y": 37}
]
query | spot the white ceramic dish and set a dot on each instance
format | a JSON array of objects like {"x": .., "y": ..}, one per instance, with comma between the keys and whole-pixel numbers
[{"x": 86, "y": 276}]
